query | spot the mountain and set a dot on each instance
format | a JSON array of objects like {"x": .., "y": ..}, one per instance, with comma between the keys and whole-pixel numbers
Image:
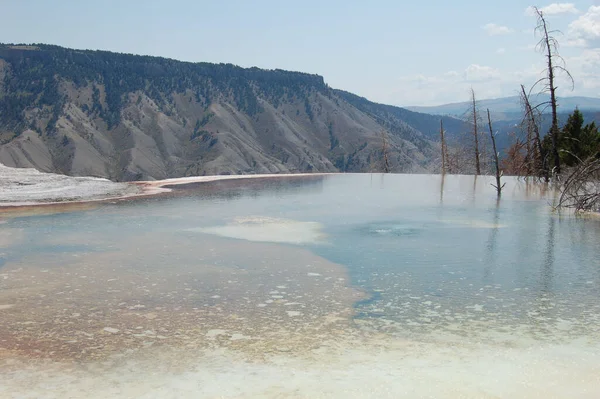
[
  {"x": 130, "y": 117},
  {"x": 427, "y": 124},
  {"x": 510, "y": 107}
]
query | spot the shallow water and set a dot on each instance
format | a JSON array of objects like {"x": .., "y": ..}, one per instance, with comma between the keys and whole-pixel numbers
[{"x": 325, "y": 286}]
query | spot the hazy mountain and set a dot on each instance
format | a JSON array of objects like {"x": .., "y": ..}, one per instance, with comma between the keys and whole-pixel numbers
[
  {"x": 511, "y": 106},
  {"x": 427, "y": 124},
  {"x": 127, "y": 117},
  {"x": 507, "y": 114}
]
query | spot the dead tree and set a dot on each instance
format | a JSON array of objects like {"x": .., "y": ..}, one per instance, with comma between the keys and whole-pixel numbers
[
  {"x": 535, "y": 157},
  {"x": 475, "y": 133},
  {"x": 548, "y": 45},
  {"x": 384, "y": 152},
  {"x": 529, "y": 137},
  {"x": 443, "y": 141},
  {"x": 496, "y": 162}
]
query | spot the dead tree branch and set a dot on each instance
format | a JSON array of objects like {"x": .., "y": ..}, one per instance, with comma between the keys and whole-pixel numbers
[{"x": 581, "y": 190}]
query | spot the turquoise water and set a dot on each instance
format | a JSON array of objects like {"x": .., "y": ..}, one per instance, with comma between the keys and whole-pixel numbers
[
  {"x": 404, "y": 258},
  {"x": 415, "y": 246}
]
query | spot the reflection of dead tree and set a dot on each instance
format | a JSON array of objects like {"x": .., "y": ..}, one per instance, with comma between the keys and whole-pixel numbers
[
  {"x": 496, "y": 162},
  {"x": 442, "y": 189},
  {"x": 581, "y": 190}
]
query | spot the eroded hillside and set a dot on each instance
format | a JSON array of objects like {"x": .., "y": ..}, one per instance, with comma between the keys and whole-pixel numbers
[{"x": 129, "y": 117}]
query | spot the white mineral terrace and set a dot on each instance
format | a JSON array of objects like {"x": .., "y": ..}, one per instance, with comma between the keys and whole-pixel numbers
[
  {"x": 20, "y": 187},
  {"x": 24, "y": 187}
]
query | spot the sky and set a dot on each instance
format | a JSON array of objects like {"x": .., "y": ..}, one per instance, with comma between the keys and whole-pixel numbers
[{"x": 395, "y": 52}]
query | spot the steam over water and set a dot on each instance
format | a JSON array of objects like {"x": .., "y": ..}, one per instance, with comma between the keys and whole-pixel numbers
[{"x": 383, "y": 286}]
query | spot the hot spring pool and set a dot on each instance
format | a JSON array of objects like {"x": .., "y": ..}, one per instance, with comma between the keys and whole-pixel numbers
[{"x": 338, "y": 286}]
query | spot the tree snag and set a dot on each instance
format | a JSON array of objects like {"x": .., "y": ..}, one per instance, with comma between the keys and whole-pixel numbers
[
  {"x": 536, "y": 159},
  {"x": 443, "y": 141},
  {"x": 384, "y": 151},
  {"x": 496, "y": 162},
  {"x": 475, "y": 133},
  {"x": 549, "y": 46}
]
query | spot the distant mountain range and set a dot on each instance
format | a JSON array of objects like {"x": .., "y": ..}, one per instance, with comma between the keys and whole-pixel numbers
[
  {"x": 507, "y": 107},
  {"x": 507, "y": 113},
  {"x": 129, "y": 117}
]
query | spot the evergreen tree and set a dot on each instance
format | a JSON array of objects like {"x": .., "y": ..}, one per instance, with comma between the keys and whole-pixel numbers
[
  {"x": 576, "y": 141},
  {"x": 570, "y": 139}
]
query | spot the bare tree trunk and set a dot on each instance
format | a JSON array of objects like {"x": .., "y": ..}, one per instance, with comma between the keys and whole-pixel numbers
[
  {"x": 529, "y": 113},
  {"x": 443, "y": 147},
  {"x": 554, "y": 128},
  {"x": 549, "y": 45},
  {"x": 384, "y": 150},
  {"x": 498, "y": 185},
  {"x": 475, "y": 134},
  {"x": 529, "y": 155}
]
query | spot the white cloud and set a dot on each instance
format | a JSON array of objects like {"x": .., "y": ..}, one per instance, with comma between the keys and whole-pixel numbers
[
  {"x": 585, "y": 30},
  {"x": 530, "y": 73},
  {"x": 490, "y": 82},
  {"x": 451, "y": 74},
  {"x": 480, "y": 73},
  {"x": 574, "y": 42},
  {"x": 495, "y": 29},
  {"x": 554, "y": 9},
  {"x": 584, "y": 68},
  {"x": 501, "y": 50},
  {"x": 450, "y": 86},
  {"x": 529, "y": 47}
]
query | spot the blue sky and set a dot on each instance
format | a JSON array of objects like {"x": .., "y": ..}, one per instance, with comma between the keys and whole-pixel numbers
[{"x": 395, "y": 52}]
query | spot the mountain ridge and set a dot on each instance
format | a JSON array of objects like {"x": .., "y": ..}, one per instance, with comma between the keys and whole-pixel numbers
[
  {"x": 130, "y": 117},
  {"x": 509, "y": 105}
]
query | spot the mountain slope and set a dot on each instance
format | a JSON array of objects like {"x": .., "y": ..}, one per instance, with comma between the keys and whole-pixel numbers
[
  {"x": 428, "y": 125},
  {"x": 127, "y": 117}
]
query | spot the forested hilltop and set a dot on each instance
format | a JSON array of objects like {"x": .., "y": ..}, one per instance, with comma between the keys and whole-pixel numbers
[{"x": 130, "y": 117}]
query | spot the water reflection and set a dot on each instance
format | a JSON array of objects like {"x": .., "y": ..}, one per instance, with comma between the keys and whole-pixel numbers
[
  {"x": 442, "y": 180},
  {"x": 547, "y": 275},
  {"x": 252, "y": 188},
  {"x": 491, "y": 243}
]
